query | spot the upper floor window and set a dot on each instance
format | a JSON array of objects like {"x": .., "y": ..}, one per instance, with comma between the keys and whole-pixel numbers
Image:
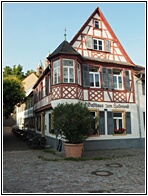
[
  {"x": 47, "y": 84},
  {"x": 96, "y": 24},
  {"x": 94, "y": 78},
  {"x": 56, "y": 72},
  {"x": 143, "y": 87},
  {"x": 112, "y": 78},
  {"x": 97, "y": 44},
  {"x": 79, "y": 73},
  {"x": 41, "y": 90},
  {"x": 68, "y": 71},
  {"x": 117, "y": 79}
]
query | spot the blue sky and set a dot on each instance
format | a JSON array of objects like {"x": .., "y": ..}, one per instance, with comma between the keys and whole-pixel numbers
[{"x": 31, "y": 30}]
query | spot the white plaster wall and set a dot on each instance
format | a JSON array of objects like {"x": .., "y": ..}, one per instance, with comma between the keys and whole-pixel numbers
[
  {"x": 134, "y": 121},
  {"x": 142, "y": 107},
  {"x": 76, "y": 44},
  {"x": 85, "y": 94},
  {"x": 85, "y": 30},
  {"x": 54, "y": 103},
  {"x": 97, "y": 33}
]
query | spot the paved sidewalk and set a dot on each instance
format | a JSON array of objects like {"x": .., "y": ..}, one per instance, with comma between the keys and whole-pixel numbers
[{"x": 36, "y": 171}]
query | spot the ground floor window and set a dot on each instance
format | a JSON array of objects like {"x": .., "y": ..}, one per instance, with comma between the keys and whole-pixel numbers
[
  {"x": 114, "y": 122},
  {"x": 95, "y": 124},
  {"x": 39, "y": 123},
  {"x": 144, "y": 118},
  {"x": 118, "y": 123}
]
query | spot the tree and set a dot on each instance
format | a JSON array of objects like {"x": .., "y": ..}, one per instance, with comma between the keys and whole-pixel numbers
[
  {"x": 7, "y": 71},
  {"x": 29, "y": 72},
  {"x": 13, "y": 93},
  {"x": 17, "y": 71}
]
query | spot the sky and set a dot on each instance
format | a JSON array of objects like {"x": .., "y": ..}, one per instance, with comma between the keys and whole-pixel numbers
[{"x": 32, "y": 30}]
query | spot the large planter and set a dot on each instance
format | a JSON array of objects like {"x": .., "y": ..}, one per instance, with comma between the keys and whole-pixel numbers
[{"x": 73, "y": 150}]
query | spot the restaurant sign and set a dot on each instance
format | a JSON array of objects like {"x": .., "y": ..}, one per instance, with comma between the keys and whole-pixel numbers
[{"x": 105, "y": 106}]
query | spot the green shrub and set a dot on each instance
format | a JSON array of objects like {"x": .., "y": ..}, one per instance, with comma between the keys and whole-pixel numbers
[{"x": 73, "y": 121}]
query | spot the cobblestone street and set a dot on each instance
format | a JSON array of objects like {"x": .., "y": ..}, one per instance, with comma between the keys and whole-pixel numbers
[{"x": 37, "y": 171}]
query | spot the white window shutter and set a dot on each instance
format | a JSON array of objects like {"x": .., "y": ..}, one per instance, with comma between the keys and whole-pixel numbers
[
  {"x": 89, "y": 42},
  {"x": 108, "y": 46}
]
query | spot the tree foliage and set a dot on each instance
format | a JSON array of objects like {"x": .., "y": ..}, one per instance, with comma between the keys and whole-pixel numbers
[
  {"x": 29, "y": 72},
  {"x": 13, "y": 90},
  {"x": 13, "y": 93},
  {"x": 15, "y": 71}
]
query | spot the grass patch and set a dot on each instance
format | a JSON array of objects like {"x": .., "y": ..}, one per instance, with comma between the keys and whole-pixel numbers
[
  {"x": 50, "y": 150},
  {"x": 47, "y": 159},
  {"x": 85, "y": 159},
  {"x": 72, "y": 159}
]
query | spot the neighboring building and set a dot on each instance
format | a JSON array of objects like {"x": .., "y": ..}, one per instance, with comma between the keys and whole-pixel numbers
[
  {"x": 140, "y": 98},
  {"x": 94, "y": 68},
  {"x": 24, "y": 111}
]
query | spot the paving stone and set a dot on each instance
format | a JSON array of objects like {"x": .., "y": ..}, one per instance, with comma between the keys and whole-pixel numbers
[{"x": 24, "y": 172}]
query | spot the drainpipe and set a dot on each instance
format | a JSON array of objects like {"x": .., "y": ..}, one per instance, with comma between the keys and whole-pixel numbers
[{"x": 138, "y": 106}]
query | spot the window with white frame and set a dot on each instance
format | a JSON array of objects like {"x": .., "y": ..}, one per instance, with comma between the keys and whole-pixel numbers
[
  {"x": 94, "y": 77},
  {"x": 117, "y": 78},
  {"x": 79, "y": 73},
  {"x": 56, "y": 72},
  {"x": 118, "y": 123},
  {"x": 68, "y": 71},
  {"x": 96, "y": 24},
  {"x": 97, "y": 44}
]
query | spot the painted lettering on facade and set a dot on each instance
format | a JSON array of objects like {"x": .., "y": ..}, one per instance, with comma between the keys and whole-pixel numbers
[{"x": 115, "y": 105}]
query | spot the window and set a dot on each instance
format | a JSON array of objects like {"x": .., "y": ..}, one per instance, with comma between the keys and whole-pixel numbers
[
  {"x": 68, "y": 71},
  {"x": 94, "y": 79},
  {"x": 98, "y": 44},
  {"x": 118, "y": 123},
  {"x": 143, "y": 87},
  {"x": 56, "y": 72},
  {"x": 117, "y": 79},
  {"x": 79, "y": 73},
  {"x": 39, "y": 123},
  {"x": 96, "y": 24},
  {"x": 49, "y": 123},
  {"x": 144, "y": 118},
  {"x": 95, "y": 126},
  {"x": 47, "y": 84}
]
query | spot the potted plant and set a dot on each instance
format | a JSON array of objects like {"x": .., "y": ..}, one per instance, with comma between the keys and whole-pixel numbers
[
  {"x": 119, "y": 131},
  {"x": 73, "y": 122}
]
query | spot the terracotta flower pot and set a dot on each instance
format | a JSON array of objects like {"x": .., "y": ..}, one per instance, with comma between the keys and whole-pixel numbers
[{"x": 73, "y": 150}]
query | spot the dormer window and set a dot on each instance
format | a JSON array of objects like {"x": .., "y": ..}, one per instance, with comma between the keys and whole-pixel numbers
[
  {"x": 68, "y": 71},
  {"x": 96, "y": 24}
]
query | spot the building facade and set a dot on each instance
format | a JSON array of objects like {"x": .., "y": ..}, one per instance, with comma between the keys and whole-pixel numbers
[
  {"x": 25, "y": 118},
  {"x": 95, "y": 69}
]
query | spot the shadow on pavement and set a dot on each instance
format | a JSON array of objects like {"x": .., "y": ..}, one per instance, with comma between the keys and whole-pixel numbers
[{"x": 11, "y": 142}]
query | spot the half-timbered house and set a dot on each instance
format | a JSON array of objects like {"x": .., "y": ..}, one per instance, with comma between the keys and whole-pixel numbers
[{"x": 93, "y": 68}]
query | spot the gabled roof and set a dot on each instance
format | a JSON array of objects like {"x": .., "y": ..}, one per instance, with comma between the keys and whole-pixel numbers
[
  {"x": 98, "y": 11},
  {"x": 63, "y": 48}
]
